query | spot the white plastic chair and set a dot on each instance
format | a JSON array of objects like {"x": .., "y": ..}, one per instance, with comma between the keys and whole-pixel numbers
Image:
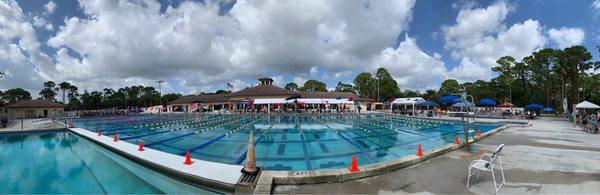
[{"x": 487, "y": 165}]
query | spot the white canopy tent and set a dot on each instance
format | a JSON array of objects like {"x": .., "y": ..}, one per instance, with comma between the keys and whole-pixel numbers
[
  {"x": 269, "y": 101},
  {"x": 587, "y": 105},
  {"x": 407, "y": 101}
]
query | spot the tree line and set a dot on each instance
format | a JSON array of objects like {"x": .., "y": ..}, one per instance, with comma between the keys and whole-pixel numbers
[{"x": 544, "y": 77}]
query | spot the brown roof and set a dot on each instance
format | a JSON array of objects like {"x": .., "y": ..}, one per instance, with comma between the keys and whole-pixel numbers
[
  {"x": 36, "y": 104},
  {"x": 205, "y": 98},
  {"x": 330, "y": 95},
  {"x": 263, "y": 90}
]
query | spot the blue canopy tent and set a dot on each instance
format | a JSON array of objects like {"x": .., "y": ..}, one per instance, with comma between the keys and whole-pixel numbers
[
  {"x": 462, "y": 105},
  {"x": 548, "y": 110},
  {"x": 450, "y": 99},
  {"x": 487, "y": 102},
  {"x": 534, "y": 106}
]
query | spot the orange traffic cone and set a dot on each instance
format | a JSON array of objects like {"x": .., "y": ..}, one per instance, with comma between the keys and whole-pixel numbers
[
  {"x": 141, "y": 146},
  {"x": 478, "y": 132},
  {"x": 419, "y": 150},
  {"x": 456, "y": 140},
  {"x": 188, "y": 158},
  {"x": 354, "y": 165},
  {"x": 99, "y": 133},
  {"x": 116, "y": 138}
]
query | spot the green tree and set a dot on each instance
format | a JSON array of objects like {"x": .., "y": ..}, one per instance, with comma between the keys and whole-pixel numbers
[
  {"x": 313, "y": 85},
  {"x": 291, "y": 86},
  {"x": 571, "y": 63},
  {"x": 221, "y": 91},
  {"x": 48, "y": 93},
  {"x": 343, "y": 87},
  {"x": 386, "y": 87},
  {"x": 364, "y": 83},
  {"x": 431, "y": 95},
  {"x": 448, "y": 87},
  {"x": 505, "y": 71},
  {"x": 170, "y": 97},
  {"x": 541, "y": 64},
  {"x": 14, "y": 95}
]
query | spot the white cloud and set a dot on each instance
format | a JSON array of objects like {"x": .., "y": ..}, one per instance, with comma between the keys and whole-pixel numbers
[
  {"x": 596, "y": 6},
  {"x": 193, "y": 42},
  {"x": 42, "y": 22},
  {"x": 566, "y": 37},
  {"x": 49, "y": 7},
  {"x": 480, "y": 37},
  {"x": 22, "y": 61},
  {"x": 313, "y": 71},
  {"x": 411, "y": 67},
  {"x": 278, "y": 81},
  {"x": 299, "y": 81}
]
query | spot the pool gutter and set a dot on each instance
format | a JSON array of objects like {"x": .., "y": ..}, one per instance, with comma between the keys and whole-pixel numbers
[
  {"x": 215, "y": 176},
  {"x": 270, "y": 178}
]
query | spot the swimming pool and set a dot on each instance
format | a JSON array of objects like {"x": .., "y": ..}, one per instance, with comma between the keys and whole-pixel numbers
[
  {"x": 284, "y": 142},
  {"x": 57, "y": 162}
]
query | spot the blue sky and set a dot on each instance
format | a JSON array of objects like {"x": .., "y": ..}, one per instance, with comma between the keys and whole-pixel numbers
[{"x": 200, "y": 46}]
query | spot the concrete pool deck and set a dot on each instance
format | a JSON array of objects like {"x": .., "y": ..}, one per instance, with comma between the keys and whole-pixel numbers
[
  {"x": 547, "y": 157},
  {"x": 29, "y": 125}
]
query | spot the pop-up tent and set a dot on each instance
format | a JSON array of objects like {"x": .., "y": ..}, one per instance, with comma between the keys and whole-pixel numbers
[
  {"x": 587, "y": 105},
  {"x": 548, "y": 110},
  {"x": 534, "y": 106},
  {"x": 487, "y": 102}
]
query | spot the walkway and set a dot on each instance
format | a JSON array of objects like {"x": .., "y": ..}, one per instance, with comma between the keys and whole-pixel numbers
[{"x": 548, "y": 157}]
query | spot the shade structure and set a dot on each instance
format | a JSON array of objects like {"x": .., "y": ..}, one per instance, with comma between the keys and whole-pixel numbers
[
  {"x": 427, "y": 103},
  {"x": 548, "y": 109},
  {"x": 534, "y": 106},
  {"x": 462, "y": 104},
  {"x": 587, "y": 105},
  {"x": 450, "y": 99},
  {"x": 506, "y": 104},
  {"x": 487, "y": 102}
]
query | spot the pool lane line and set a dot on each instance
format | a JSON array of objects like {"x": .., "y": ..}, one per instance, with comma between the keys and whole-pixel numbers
[
  {"x": 171, "y": 130},
  {"x": 184, "y": 135},
  {"x": 151, "y": 130},
  {"x": 204, "y": 144}
]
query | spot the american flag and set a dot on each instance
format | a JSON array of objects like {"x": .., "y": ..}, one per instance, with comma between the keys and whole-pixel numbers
[{"x": 229, "y": 86}]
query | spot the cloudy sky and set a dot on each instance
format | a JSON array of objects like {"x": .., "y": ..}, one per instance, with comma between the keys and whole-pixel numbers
[{"x": 199, "y": 46}]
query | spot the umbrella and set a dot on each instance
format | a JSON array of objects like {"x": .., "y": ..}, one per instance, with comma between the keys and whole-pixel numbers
[
  {"x": 292, "y": 97},
  {"x": 534, "y": 106},
  {"x": 462, "y": 104},
  {"x": 450, "y": 99},
  {"x": 548, "y": 109},
  {"x": 506, "y": 104},
  {"x": 487, "y": 102}
]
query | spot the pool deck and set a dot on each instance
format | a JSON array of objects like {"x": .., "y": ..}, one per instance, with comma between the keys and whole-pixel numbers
[
  {"x": 29, "y": 126},
  {"x": 548, "y": 157}
]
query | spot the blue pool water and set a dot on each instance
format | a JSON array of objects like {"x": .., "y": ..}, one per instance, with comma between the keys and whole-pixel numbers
[
  {"x": 60, "y": 162},
  {"x": 284, "y": 142}
]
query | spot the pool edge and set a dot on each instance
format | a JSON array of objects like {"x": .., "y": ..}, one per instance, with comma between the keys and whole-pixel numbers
[{"x": 183, "y": 176}]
